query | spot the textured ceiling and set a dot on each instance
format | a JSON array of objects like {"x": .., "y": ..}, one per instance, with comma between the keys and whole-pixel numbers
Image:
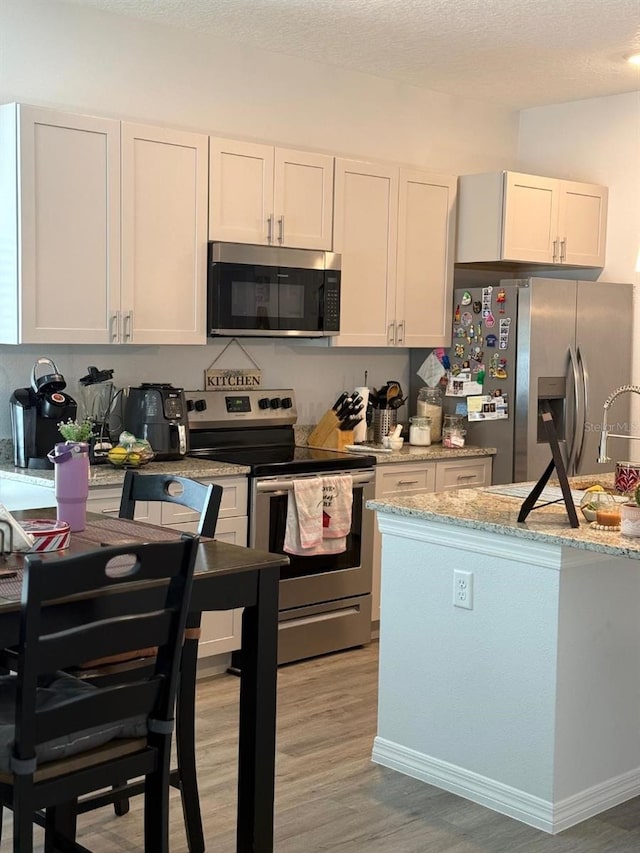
[{"x": 520, "y": 53}]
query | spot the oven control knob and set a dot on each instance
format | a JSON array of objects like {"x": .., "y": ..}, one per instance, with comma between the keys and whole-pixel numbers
[
  {"x": 287, "y": 402},
  {"x": 275, "y": 402},
  {"x": 263, "y": 403},
  {"x": 201, "y": 405},
  {"x": 190, "y": 405}
]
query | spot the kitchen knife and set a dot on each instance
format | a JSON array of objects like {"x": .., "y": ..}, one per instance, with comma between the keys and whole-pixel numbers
[{"x": 339, "y": 402}]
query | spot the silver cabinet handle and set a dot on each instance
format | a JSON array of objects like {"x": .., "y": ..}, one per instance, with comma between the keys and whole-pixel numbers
[
  {"x": 114, "y": 326},
  {"x": 391, "y": 333},
  {"x": 563, "y": 250},
  {"x": 270, "y": 228},
  {"x": 127, "y": 326},
  {"x": 407, "y": 483},
  {"x": 467, "y": 476},
  {"x": 113, "y": 511},
  {"x": 400, "y": 336},
  {"x": 555, "y": 251},
  {"x": 281, "y": 229}
]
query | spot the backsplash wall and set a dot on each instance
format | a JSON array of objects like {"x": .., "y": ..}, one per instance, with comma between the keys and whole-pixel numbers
[{"x": 316, "y": 374}]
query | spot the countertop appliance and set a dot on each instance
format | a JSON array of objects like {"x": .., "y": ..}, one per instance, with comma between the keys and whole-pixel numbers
[
  {"x": 96, "y": 396},
  {"x": 36, "y": 412},
  {"x": 561, "y": 341},
  {"x": 325, "y": 600},
  {"x": 157, "y": 412},
  {"x": 266, "y": 291}
]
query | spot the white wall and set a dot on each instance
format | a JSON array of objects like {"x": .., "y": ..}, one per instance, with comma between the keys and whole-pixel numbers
[
  {"x": 80, "y": 59},
  {"x": 596, "y": 140}
]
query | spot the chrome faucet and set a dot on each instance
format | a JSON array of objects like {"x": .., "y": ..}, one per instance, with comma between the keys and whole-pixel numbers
[{"x": 602, "y": 451}]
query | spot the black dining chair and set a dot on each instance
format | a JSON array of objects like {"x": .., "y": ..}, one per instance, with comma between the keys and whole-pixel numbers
[
  {"x": 205, "y": 499},
  {"x": 61, "y": 737}
]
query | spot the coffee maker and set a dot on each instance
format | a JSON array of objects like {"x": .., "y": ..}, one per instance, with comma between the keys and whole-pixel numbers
[
  {"x": 157, "y": 412},
  {"x": 35, "y": 414}
]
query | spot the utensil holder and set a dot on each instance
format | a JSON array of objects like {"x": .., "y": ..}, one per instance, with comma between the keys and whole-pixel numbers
[{"x": 384, "y": 422}]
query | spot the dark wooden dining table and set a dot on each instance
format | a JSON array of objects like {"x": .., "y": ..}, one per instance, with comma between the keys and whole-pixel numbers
[{"x": 226, "y": 577}]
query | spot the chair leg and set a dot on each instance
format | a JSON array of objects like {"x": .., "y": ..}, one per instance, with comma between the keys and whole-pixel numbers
[
  {"x": 23, "y": 814},
  {"x": 121, "y": 807},
  {"x": 185, "y": 737},
  {"x": 61, "y": 820},
  {"x": 156, "y": 803}
]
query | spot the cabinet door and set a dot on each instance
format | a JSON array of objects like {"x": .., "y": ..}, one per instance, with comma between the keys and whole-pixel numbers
[
  {"x": 303, "y": 199},
  {"x": 426, "y": 229},
  {"x": 582, "y": 223},
  {"x": 164, "y": 236},
  {"x": 240, "y": 191},
  {"x": 69, "y": 191},
  {"x": 530, "y": 219},
  {"x": 403, "y": 477},
  {"x": 365, "y": 234},
  {"x": 222, "y": 629}
]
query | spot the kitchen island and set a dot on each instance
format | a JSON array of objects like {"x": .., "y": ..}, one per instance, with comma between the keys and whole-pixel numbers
[{"x": 517, "y": 684}]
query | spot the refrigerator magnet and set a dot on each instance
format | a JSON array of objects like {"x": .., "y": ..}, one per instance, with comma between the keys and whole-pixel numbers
[
  {"x": 491, "y": 341},
  {"x": 466, "y": 298},
  {"x": 477, "y": 306}
]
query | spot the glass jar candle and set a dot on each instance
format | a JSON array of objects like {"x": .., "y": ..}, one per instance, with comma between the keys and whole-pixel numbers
[
  {"x": 429, "y": 405},
  {"x": 420, "y": 431},
  {"x": 453, "y": 431}
]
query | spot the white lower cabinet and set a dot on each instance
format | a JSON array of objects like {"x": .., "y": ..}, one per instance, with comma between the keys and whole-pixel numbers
[
  {"x": 221, "y": 630},
  {"x": 418, "y": 477}
]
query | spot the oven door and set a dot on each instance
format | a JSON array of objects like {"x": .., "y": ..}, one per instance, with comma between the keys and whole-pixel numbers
[{"x": 324, "y": 577}]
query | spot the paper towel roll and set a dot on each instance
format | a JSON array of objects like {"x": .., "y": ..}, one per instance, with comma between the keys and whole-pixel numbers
[{"x": 360, "y": 429}]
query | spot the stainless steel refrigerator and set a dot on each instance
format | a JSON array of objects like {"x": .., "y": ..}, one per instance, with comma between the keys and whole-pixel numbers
[{"x": 567, "y": 343}]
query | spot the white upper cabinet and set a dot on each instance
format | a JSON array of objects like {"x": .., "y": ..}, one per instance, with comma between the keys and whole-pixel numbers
[
  {"x": 74, "y": 185},
  {"x": 510, "y": 216},
  {"x": 365, "y": 234},
  {"x": 59, "y": 226},
  {"x": 164, "y": 236},
  {"x": 426, "y": 246},
  {"x": 270, "y": 196},
  {"x": 395, "y": 230}
]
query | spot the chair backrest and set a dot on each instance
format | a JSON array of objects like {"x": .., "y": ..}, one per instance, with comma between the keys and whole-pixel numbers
[
  {"x": 173, "y": 489},
  {"x": 121, "y": 597}
]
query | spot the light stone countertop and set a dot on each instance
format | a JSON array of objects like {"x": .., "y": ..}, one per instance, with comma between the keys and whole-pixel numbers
[
  {"x": 431, "y": 452},
  {"x": 107, "y": 475},
  {"x": 482, "y": 510}
]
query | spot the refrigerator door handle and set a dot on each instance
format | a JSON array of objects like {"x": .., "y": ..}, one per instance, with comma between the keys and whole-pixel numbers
[
  {"x": 573, "y": 447},
  {"x": 584, "y": 371}
]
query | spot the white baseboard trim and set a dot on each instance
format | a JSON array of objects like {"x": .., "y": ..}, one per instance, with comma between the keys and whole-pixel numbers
[{"x": 527, "y": 808}]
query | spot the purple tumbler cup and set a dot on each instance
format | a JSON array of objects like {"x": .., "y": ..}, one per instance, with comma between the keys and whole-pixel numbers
[{"x": 71, "y": 464}]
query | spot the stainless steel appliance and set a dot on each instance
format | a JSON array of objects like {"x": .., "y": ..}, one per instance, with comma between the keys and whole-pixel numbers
[
  {"x": 568, "y": 343},
  {"x": 157, "y": 412},
  {"x": 269, "y": 291},
  {"x": 325, "y": 600},
  {"x": 36, "y": 412}
]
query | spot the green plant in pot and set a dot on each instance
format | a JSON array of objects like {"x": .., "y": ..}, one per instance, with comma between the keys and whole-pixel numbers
[
  {"x": 630, "y": 515},
  {"x": 74, "y": 431}
]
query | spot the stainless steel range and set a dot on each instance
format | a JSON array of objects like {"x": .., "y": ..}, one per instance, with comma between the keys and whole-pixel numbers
[{"x": 325, "y": 600}]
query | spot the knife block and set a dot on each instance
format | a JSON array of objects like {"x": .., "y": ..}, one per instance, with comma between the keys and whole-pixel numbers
[{"x": 327, "y": 434}]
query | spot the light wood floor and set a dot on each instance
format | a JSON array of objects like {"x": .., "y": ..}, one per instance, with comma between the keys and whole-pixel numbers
[{"x": 329, "y": 795}]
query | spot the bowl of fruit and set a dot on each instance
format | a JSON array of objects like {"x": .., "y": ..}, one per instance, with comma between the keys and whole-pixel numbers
[{"x": 130, "y": 452}]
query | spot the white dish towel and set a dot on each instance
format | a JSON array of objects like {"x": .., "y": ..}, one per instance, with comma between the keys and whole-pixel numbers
[{"x": 318, "y": 516}]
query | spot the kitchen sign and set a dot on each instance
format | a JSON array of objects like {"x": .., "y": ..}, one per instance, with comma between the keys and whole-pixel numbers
[{"x": 232, "y": 378}]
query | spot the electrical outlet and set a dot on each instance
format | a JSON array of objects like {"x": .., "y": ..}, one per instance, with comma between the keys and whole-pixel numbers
[{"x": 463, "y": 589}]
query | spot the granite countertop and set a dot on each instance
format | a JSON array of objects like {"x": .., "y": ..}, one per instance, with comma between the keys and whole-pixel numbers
[
  {"x": 107, "y": 475},
  {"x": 485, "y": 510},
  {"x": 414, "y": 453}
]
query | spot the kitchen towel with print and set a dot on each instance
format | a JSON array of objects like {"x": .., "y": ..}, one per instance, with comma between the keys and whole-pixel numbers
[
  {"x": 303, "y": 529},
  {"x": 337, "y": 501}
]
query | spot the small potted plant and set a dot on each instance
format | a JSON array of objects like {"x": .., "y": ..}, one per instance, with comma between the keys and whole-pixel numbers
[
  {"x": 630, "y": 512},
  {"x": 72, "y": 431}
]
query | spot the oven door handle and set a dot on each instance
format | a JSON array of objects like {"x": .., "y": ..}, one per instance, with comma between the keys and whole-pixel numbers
[{"x": 283, "y": 486}]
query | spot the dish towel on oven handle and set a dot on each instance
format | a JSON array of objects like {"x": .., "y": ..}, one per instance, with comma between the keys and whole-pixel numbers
[
  {"x": 337, "y": 500},
  {"x": 318, "y": 516}
]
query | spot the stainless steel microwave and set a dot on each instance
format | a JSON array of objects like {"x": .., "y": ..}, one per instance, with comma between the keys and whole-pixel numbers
[{"x": 269, "y": 291}]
